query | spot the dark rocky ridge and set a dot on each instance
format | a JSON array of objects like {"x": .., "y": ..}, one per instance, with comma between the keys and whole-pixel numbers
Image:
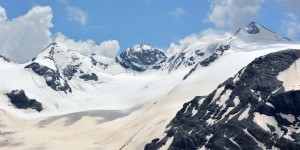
[
  {"x": 5, "y": 59},
  {"x": 19, "y": 99},
  {"x": 206, "y": 62},
  {"x": 141, "y": 60},
  {"x": 51, "y": 76},
  {"x": 218, "y": 52},
  {"x": 219, "y": 122}
]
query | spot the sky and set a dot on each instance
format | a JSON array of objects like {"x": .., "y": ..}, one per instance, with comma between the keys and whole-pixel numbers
[{"x": 108, "y": 27}]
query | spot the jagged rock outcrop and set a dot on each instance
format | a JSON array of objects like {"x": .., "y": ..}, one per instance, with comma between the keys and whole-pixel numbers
[
  {"x": 52, "y": 77},
  {"x": 250, "y": 111}
]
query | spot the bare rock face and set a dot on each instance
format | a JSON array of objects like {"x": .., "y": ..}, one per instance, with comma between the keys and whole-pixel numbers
[
  {"x": 19, "y": 99},
  {"x": 250, "y": 111}
]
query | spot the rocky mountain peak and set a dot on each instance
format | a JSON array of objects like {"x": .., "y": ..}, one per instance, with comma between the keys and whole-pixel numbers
[{"x": 141, "y": 57}]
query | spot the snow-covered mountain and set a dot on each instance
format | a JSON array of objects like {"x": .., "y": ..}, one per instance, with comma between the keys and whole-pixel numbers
[
  {"x": 122, "y": 102},
  {"x": 246, "y": 39}
]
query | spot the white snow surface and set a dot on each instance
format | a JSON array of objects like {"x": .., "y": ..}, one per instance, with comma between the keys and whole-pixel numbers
[
  {"x": 291, "y": 77},
  {"x": 139, "y": 105}
]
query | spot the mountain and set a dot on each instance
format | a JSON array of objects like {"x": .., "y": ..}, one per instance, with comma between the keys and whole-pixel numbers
[
  {"x": 255, "y": 32},
  {"x": 258, "y": 108},
  {"x": 141, "y": 57},
  {"x": 247, "y": 38},
  {"x": 62, "y": 99}
]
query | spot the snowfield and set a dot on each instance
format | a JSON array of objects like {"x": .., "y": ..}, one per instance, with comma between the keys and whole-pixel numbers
[{"x": 123, "y": 109}]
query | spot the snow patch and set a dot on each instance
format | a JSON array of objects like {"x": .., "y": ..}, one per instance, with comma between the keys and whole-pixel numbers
[
  {"x": 194, "y": 111},
  {"x": 236, "y": 101},
  {"x": 291, "y": 77},
  {"x": 221, "y": 102},
  {"x": 260, "y": 144},
  {"x": 291, "y": 118},
  {"x": 245, "y": 114},
  {"x": 218, "y": 92},
  {"x": 269, "y": 104},
  {"x": 187, "y": 108},
  {"x": 262, "y": 120}
]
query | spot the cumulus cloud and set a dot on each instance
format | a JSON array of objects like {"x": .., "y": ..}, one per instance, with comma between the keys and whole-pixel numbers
[
  {"x": 109, "y": 48},
  {"x": 2, "y": 14},
  {"x": 207, "y": 35},
  {"x": 25, "y": 36},
  {"x": 76, "y": 14},
  {"x": 291, "y": 25},
  {"x": 233, "y": 13},
  {"x": 178, "y": 12}
]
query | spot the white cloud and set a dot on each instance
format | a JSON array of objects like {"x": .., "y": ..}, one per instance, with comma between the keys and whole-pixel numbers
[
  {"x": 76, "y": 14},
  {"x": 178, "y": 12},
  {"x": 109, "y": 48},
  {"x": 23, "y": 37},
  {"x": 233, "y": 13},
  {"x": 207, "y": 35},
  {"x": 2, "y": 14},
  {"x": 291, "y": 25}
]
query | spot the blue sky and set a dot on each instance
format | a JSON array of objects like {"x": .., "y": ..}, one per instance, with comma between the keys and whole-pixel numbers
[{"x": 156, "y": 22}]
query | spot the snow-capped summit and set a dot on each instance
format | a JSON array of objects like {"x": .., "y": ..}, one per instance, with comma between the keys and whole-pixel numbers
[
  {"x": 257, "y": 33},
  {"x": 252, "y": 28},
  {"x": 141, "y": 57},
  {"x": 138, "y": 47}
]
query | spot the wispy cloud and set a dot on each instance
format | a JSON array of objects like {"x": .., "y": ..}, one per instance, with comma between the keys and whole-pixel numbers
[
  {"x": 76, "y": 14},
  {"x": 291, "y": 25},
  {"x": 178, "y": 12},
  {"x": 232, "y": 14}
]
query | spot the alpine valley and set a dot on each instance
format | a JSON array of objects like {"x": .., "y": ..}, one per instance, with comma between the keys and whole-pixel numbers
[{"x": 237, "y": 92}]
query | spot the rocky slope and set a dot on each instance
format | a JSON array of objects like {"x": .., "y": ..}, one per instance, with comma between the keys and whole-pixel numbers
[{"x": 252, "y": 110}]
